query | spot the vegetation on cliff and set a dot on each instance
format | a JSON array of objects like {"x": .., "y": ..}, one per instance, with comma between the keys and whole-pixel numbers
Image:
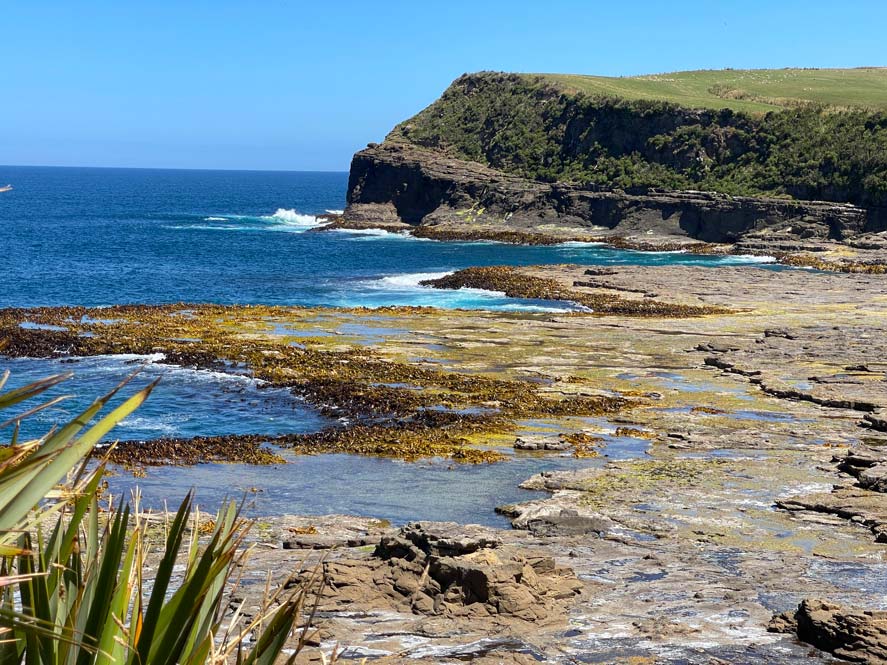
[{"x": 549, "y": 128}]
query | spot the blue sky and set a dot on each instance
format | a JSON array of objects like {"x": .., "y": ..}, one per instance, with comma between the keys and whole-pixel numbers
[{"x": 302, "y": 85}]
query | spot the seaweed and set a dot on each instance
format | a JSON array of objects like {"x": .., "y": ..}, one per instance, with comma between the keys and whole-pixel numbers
[
  {"x": 375, "y": 398},
  {"x": 810, "y": 261},
  {"x": 516, "y": 283}
]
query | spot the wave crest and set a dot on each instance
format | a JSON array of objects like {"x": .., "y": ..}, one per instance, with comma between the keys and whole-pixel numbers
[
  {"x": 293, "y": 217},
  {"x": 411, "y": 279}
]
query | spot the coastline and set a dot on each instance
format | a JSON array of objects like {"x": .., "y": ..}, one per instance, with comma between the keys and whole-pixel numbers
[
  {"x": 400, "y": 187},
  {"x": 829, "y": 256},
  {"x": 696, "y": 440}
]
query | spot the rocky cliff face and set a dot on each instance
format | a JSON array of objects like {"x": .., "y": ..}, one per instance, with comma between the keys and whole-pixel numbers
[
  {"x": 400, "y": 183},
  {"x": 506, "y": 156}
]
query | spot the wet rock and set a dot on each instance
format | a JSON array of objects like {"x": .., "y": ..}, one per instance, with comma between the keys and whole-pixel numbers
[
  {"x": 567, "y": 522},
  {"x": 779, "y": 364},
  {"x": 852, "y": 503},
  {"x": 859, "y": 636},
  {"x": 659, "y": 629},
  {"x": 874, "y": 478},
  {"x": 541, "y": 442},
  {"x": 330, "y": 532},
  {"x": 779, "y": 332},
  {"x": 312, "y": 542},
  {"x": 522, "y": 283},
  {"x": 439, "y": 539},
  {"x": 877, "y": 420},
  {"x": 864, "y": 504},
  {"x": 715, "y": 347},
  {"x": 454, "y": 570},
  {"x": 551, "y": 481},
  {"x": 324, "y": 542},
  {"x": 868, "y": 465},
  {"x": 562, "y": 514}
]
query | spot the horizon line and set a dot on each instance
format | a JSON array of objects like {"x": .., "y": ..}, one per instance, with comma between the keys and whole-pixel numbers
[{"x": 165, "y": 168}]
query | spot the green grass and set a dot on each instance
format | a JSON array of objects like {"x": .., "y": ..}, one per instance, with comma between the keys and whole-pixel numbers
[{"x": 750, "y": 90}]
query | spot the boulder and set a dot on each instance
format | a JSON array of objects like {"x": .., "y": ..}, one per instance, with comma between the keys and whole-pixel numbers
[
  {"x": 442, "y": 568},
  {"x": 868, "y": 464},
  {"x": 859, "y": 636}
]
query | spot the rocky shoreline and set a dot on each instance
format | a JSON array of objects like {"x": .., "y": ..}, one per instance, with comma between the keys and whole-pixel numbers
[
  {"x": 727, "y": 465},
  {"x": 403, "y": 187}
]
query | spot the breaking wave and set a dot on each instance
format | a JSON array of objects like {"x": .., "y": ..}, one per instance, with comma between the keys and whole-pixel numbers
[
  {"x": 293, "y": 217},
  {"x": 406, "y": 289},
  {"x": 283, "y": 219},
  {"x": 748, "y": 258},
  {"x": 414, "y": 279}
]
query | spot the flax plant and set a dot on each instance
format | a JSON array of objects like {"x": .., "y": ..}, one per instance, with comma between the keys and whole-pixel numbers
[{"x": 74, "y": 585}]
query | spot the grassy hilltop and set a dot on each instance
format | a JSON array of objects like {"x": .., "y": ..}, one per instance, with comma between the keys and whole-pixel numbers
[
  {"x": 806, "y": 134},
  {"x": 750, "y": 90}
]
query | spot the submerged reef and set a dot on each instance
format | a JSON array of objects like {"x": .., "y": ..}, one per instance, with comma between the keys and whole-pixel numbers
[{"x": 385, "y": 408}]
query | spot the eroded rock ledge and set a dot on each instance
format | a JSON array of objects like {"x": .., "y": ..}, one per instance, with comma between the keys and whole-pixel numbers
[
  {"x": 863, "y": 503},
  {"x": 458, "y": 571},
  {"x": 859, "y": 636},
  {"x": 399, "y": 185},
  {"x": 521, "y": 283}
]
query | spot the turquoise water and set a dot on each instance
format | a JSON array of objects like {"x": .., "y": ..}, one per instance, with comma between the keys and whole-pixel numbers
[
  {"x": 191, "y": 402},
  {"x": 104, "y": 236}
]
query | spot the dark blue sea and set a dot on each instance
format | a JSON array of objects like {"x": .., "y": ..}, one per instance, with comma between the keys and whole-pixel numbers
[{"x": 85, "y": 236}]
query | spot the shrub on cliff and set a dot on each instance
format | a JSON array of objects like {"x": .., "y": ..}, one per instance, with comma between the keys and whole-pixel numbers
[{"x": 527, "y": 126}]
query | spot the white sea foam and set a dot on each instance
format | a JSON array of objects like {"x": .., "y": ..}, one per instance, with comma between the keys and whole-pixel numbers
[
  {"x": 749, "y": 258},
  {"x": 409, "y": 284},
  {"x": 581, "y": 243},
  {"x": 375, "y": 233},
  {"x": 520, "y": 307},
  {"x": 149, "y": 424},
  {"x": 413, "y": 279},
  {"x": 153, "y": 365},
  {"x": 335, "y": 212},
  {"x": 291, "y": 216},
  {"x": 148, "y": 358},
  {"x": 283, "y": 219},
  {"x": 381, "y": 234},
  {"x": 230, "y": 228}
]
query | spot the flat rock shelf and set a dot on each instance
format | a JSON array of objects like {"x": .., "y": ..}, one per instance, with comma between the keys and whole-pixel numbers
[{"x": 685, "y": 475}]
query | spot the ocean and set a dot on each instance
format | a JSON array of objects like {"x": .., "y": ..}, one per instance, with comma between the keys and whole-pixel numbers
[
  {"x": 89, "y": 236},
  {"x": 93, "y": 237}
]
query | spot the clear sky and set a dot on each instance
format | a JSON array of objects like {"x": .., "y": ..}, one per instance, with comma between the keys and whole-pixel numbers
[{"x": 270, "y": 84}]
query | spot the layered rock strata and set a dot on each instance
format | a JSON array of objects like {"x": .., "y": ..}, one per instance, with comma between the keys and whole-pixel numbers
[{"x": 396, "y": 184}]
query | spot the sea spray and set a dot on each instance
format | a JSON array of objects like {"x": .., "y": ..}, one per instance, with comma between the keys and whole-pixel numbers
[{"x": 291, "y": 216}]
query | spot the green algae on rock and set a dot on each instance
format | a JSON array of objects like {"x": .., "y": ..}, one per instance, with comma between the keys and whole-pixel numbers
[{"x": 390, "y": 408}]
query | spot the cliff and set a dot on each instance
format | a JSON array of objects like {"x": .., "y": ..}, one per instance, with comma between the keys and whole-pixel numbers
[
  {"x": 398, "y": 182},
  {"x": 501, "y": 153}
]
